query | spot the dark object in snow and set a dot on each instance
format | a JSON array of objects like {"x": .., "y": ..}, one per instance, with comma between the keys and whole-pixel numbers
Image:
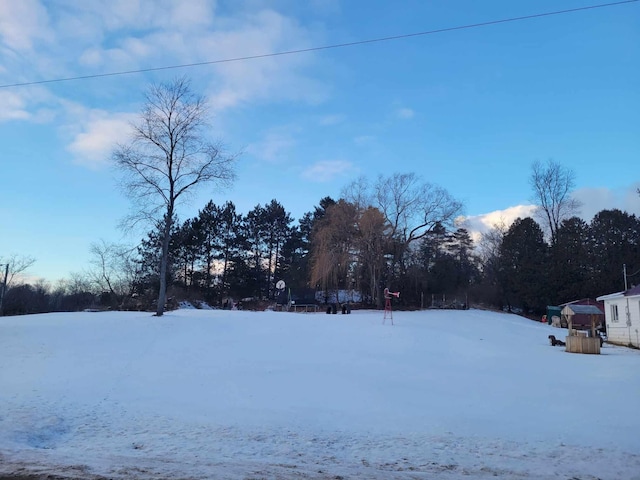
[{"x": 554, "y": 342}]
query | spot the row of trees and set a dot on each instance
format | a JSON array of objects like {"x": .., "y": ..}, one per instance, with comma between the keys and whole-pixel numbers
[
  {"x": 397, "y": 232},
  {"x": 222, "y": 253},
  {"x": 584, "y": 260}
]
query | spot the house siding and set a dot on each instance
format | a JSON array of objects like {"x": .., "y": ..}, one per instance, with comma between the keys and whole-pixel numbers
[{"x": 627, "y": 329}]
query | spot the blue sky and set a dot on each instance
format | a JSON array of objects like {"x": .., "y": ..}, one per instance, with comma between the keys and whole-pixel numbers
[{"x": 469, "y": 110}]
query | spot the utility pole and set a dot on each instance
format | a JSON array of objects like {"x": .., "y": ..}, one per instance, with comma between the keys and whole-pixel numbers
[
  {"x": 4, "y": 286},
  {"x": 624, "y": 273}
]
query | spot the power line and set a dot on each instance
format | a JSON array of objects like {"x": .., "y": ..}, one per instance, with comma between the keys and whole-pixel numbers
[{"x": 325, "y": 47}]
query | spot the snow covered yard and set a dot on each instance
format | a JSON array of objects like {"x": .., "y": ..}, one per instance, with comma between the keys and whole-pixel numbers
[{"x": 266, "y": 395}]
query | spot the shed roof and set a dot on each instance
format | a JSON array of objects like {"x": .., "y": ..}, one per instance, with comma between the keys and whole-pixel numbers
[{"x": 581, "y": 309}]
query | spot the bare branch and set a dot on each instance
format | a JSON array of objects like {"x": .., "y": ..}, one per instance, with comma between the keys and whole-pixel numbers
[
  {"x": 17, "y": 264},
  {"x": 552, "y": 186},
  {"x": 412, "y": 207},
  {"x": 168, "y": 157}
]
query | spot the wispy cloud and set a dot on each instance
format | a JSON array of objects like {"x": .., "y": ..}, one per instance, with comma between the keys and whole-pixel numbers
[
  {"x": 328, "y": 170},
  {"x": 265, "y": 79},
  {"x": 23, "y": 24},
  {"x": 97, "y": 37},
  {"x": 33, "y": 104},
  {"x": 405, "y": 113},
  {"x": 275, "y": 144},
  {"x": 92, "y": 145},
  {"x": 13, "y": 106}
]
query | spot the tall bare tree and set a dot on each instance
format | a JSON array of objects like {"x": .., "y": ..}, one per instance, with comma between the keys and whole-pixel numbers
[
  {"x": 552, "y": 187},
  {"x": 168, "y": 157}
]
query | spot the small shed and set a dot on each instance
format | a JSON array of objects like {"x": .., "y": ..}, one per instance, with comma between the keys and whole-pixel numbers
[
  {"x": 583, "y": 341},
  {"x": 582, "y": 321}
]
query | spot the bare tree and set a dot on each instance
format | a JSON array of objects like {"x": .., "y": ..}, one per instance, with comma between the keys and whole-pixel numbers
[
  {"x": 77, "y": 283},
  {"x": 552, "y": 186},
  {"x": 167, "y": 158},
  {"x": 112, "y": 269},
  {"x": 411, "y": 207},
  {"x": 491, "y": 242},
  {"x": 12, "y": 266}
]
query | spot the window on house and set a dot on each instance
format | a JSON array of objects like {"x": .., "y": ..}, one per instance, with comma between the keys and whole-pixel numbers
[{"x": 614, "y": 313}]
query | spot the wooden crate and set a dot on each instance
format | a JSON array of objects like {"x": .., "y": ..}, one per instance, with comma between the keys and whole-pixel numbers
[{"x": 580, "y": 344}]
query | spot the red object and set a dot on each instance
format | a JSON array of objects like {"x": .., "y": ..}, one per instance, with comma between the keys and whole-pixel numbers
[{"x": 388, "y": 313}]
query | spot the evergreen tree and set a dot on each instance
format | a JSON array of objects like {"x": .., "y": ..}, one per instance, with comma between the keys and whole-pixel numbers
[
  {"x": 276, "y": 232},
  {"x": 208, "y": 226},
  {"x": 523, "y": 258},
  {"x": 569, "y": 267},
  {"x": 232, "y": 245},
  {"x": 614, "y": 242},
  {"x": 186, "y": 244}
]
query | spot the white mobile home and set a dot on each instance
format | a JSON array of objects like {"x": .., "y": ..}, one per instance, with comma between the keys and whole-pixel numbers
[{"x": 622, "y": 315}]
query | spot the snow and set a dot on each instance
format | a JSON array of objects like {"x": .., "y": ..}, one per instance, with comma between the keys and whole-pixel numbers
[{"x": 251, "y": 395}]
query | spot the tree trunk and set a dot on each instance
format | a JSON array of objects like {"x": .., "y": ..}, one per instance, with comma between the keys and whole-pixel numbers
[{"x": 164, "y": 260}]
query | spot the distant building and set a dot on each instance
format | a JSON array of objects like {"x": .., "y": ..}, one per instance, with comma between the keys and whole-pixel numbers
[{"x": 581, "y": 321}]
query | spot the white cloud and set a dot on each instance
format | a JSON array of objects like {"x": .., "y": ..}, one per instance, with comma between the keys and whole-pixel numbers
[
  {"x": 78, "y": 38},
  {"x": 34, "y": 104},
  {"x": 264, "y": 79},
  {"x": 13, "y": 106},
  {"x": 23, "y": 23},
  {"x": 100, "y": 132},
  {"x": 593, "y": 199},
  {"x": 328, "y": 170},
  {"x": 405, "y": 113},
  {"x": 477, "y": 225},
  {"x": 130, "y": 34},
  {"x": 139, "y": 14}
]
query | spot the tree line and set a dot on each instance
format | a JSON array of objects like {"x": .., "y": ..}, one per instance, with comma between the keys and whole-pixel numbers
[
  {"x": 397, "y": 232},
  {"x": 342, "y": 247}
]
